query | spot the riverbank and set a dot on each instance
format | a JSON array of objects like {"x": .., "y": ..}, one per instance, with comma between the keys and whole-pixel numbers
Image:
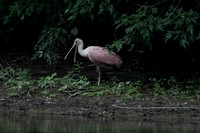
[
  {"x": 124, "y": 95},
  {"x": 106, "y": 107}
]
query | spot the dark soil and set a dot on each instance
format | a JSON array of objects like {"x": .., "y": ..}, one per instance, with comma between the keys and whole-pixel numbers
[{"x": 108, "y": 107}]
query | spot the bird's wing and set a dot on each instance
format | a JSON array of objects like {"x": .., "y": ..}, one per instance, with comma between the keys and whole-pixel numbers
[{"x": 101, "y": 56}]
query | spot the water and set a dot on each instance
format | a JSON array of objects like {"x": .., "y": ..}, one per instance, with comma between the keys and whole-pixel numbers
[{"x": 11, "y": 123}]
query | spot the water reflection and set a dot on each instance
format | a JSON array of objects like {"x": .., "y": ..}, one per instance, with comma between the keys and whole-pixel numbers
[{"x": 63, "y": 124}]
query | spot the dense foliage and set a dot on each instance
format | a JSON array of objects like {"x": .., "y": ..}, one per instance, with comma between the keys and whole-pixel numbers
[
  {"x": 19, "y": 82},
  {"x": 120, "y": 22}
]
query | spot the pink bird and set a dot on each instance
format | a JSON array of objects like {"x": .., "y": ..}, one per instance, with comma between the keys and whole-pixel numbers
[{"x": 98, "y": 55}]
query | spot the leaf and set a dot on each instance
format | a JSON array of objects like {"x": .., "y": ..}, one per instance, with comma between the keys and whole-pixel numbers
[
  {"x": 22, "y": 17},
  {"x": 154, "y": 10},
  {"x": 100, "y": 11},
  {"x": 91, "y": 16},
  {"x": 53, "y": 75},
  {"x": 160, "y": 27},
  {"x": 145, "y": 34},
  {"x": 67, "y": 11},
  {"x": 56, "y": 35},
  {"x": 168, "y": 36},
  {"x": 117, "y": 44},
  {"x": 6, "y": 20},
  {"x": 72, "y": 17},
  {"x": 190, "y": 29},
  {"x": 184, "y": 43},
  {"x": 151, "y": 27}
]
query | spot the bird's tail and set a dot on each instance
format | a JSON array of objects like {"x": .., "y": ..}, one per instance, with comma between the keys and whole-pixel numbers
[{"x": 118, "y": 60}]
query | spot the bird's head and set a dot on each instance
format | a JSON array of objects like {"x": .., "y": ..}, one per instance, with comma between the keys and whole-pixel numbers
[{"x": 77, "y": 42}]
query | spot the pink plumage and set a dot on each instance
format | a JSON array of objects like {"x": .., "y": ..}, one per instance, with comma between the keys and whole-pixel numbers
[
  {"x": 98, "y": 55},
  {"x": 101, "y": 57}
]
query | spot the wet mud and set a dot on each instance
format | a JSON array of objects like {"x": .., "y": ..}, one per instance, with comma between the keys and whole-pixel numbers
[{"x": 106, "y": 107}]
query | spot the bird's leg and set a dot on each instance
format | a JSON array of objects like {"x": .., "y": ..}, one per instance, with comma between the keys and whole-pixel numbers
[{"x": 99, "y": 71}]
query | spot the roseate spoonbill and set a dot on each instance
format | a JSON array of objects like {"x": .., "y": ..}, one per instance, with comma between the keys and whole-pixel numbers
[{"x": 98, "y": 55}]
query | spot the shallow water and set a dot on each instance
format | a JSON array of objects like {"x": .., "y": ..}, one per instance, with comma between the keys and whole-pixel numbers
[{"x": 12, "y": 123}]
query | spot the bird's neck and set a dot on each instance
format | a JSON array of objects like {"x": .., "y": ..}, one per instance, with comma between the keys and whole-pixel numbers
[{"x": 81, "y": 51}]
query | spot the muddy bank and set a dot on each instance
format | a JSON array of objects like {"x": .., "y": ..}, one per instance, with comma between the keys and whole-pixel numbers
[{"x": 107, "y": 107}]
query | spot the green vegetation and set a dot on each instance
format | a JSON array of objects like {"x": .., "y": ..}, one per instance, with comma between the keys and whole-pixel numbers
[
  {"x": 121, "y": 22},
  {"x": 20, "y": 81},
  {"x": 45, "y": 29},
  {"x": 17, "y": 80}
]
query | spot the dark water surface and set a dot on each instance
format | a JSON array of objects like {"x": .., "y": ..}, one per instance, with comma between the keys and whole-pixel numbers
[{"x": 12, "y": 123}]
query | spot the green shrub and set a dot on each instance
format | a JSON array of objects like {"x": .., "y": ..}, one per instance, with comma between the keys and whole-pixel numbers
[{"x": 16, "y": 80}]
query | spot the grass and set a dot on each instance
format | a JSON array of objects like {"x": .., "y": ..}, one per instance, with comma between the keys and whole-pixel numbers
[{"x": 17, "y": 81}]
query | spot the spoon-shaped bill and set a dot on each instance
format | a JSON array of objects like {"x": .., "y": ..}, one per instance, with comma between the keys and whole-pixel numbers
[
  {"x": 75, "y": 53},
  {"x": 69, "y": 51}
]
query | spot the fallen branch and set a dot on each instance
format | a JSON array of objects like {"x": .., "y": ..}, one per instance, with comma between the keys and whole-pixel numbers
[
  {"x": 74, "y": 94},
  {"x": 138, "y": 108},
  {"x": 77, "y": 93}
]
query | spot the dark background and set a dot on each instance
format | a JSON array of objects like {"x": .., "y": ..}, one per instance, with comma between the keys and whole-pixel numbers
[{"x": 18, "y": 38}]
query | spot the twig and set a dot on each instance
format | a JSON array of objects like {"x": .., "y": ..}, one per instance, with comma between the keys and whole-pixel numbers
[
  {"x": 170, "y": 104},
  {"x": 28, "y": 94},
  {"x": 76, "y": 93},
  {"x": 138, "y": 108},
  {"x": 176, "y": 6},
  {"x": 195, "y": 7},
  {"x": 158, "y": 3}
]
